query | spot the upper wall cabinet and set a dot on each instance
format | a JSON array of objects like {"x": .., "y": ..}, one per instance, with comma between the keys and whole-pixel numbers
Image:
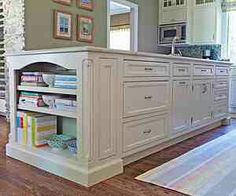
[
  {"x": 205, "y": 22},
  {"x": 202, "y": 17},
  {"x": 172, "y": 11}
]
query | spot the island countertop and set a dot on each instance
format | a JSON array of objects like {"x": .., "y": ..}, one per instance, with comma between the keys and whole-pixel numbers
[{"x": 112, "y": 51}]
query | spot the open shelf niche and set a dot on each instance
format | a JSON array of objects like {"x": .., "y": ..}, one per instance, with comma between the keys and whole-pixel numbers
[{"x": 67, "y": 121}]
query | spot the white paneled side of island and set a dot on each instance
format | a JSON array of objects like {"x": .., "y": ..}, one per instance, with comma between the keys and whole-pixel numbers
[{"x": 130, "y": 105}]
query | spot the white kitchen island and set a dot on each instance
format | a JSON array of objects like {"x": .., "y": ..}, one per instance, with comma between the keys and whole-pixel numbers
[{"x": 130, "y": 106}]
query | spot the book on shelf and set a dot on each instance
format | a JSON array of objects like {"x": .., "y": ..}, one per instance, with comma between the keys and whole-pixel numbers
[
  {"x": 33, "y": 84},
  {"x": 72, "y": 87},
  {"x": 33, "y": 129},
  {"x": 69, "y": 105},
  {"x": 41, "y": 128},
  {"x": 28, "y": 73},
  {"x": 65, "y": 83},
  {"x": 37, "y": 79},
  {"x": 33, "y": 99},
  {"x": 21, "y": 122},
  {"x": 73, "y": 78}
]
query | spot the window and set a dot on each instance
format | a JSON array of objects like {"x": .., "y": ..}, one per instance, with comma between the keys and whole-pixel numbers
[{"x": 120, "y": 38}]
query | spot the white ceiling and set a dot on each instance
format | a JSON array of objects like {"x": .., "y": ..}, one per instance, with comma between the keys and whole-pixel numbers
[{"x": 116, "y": 8}]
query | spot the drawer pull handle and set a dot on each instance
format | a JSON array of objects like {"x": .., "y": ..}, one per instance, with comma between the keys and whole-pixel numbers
[
  {"x": 222, "y": 71},
  {"x": 203, "y": 70},
  {"x": 183, "y": 83},
  {"x": 148, "y": 69},
  {"x": 148, "y": 97},
  {"x": 181, "y": 70},
  {"x": 147, "y": 132}
]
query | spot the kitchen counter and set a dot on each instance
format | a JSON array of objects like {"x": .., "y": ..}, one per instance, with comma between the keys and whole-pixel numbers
[{"x": 112, "y": 51}]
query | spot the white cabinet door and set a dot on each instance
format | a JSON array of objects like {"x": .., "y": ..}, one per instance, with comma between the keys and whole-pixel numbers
[
  {"x": 233, "y": 92},
  {"x": 181, "y": 119},
  {"x": 172, "y": 11},
  {"x": 107, "y": 107},
  {"x": 204, "y": 23},
  {"x": 202, "y": 100}
]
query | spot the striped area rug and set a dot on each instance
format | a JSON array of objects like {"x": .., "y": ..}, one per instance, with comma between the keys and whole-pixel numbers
[{"x": 209, "y": 170}]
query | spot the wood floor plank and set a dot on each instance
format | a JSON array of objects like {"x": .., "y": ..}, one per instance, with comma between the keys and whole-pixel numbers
[{"x": 20, "y": 179}]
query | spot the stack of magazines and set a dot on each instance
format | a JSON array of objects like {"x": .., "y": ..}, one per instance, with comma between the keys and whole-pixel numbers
[
  {"x": 32, "y": 79},
  {"x": 31, "y": 99},
  {"x": 66, "y": 81}
]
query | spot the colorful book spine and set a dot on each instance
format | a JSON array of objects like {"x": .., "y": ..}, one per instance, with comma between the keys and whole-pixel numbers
[{"x": 22, "y": 127}]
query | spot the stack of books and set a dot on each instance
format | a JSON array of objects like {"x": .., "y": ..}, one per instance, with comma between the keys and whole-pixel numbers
[
  {"x": 34, "y": 129},
  {"x": 66, "y": 104},
  {"x": 66, "y": 81},
  {"x": 32, "y": 79},
  {"x": 31, "y": 99}
]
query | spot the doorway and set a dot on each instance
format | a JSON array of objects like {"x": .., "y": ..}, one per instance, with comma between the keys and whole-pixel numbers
[{"x": 122, "y": 25}]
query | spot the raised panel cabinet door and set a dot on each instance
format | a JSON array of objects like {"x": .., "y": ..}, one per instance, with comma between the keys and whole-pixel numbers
[
  {"x": 107, "y": 104},
  {"x": 202, "y": 101},
  {"x": 181, "y": 118},
  {"x": 232, "y": 98},
  {"x": 204, "y": 23}
]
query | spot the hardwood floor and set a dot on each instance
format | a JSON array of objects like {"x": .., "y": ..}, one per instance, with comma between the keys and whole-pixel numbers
[{"x": 17, "y": 178}]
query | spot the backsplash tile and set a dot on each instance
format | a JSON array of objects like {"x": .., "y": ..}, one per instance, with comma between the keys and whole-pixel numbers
[{"x": 196, "y": 51}]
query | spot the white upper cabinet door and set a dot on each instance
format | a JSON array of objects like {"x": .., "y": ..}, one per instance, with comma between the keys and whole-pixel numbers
[
  {"x": 172, "y": 11},
  {"x": 181, "y": 118},
  {"x": 205, "y": 23},
  {"x": 202, "y": 100}
]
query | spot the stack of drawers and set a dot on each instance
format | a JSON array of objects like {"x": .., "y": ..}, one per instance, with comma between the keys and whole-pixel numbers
[
  {"x": 146, "y": 104},
  {"x": 221, "y": 92}
]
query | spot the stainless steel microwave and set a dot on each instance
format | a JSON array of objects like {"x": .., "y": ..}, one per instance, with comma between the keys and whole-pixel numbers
[{"x": 168, "y": 32}]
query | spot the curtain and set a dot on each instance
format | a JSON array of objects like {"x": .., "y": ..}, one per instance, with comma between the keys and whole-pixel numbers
[
  {"x": 229, "y": 5},
  {"x": 120, "y": 37}
]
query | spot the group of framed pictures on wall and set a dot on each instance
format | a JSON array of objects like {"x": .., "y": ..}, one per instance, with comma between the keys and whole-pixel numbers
[{"x": 63, "y": 22}]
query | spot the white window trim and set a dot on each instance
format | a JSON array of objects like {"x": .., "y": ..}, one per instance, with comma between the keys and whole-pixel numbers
[{"x": 134, "y": 23}]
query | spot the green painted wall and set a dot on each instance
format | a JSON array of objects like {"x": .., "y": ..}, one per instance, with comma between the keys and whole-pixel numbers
[
  {"x": 39, "y": 24},
  {"x": 148, "y": 21}
]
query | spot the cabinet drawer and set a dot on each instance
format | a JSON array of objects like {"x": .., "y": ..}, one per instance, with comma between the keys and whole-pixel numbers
[
  {"x": 181, "y": 70},
  {"x": 221, "y": 96},
  {"x": 220, "y": 110},
  {"x": 145, "y": 97},
  {"x": 221, "y": 84},
  {"x": 222, "y": 71},
  {"x": 141, "y": 132},
  {"x": 139, "y": 68},
  {"x": 199, "y": 70}
]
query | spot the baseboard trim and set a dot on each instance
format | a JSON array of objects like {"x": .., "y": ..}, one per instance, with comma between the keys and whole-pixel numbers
[{"x": 69, "y": 170}]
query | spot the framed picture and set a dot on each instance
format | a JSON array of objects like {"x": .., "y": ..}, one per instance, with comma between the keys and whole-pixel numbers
[
  {"x": 85, "y": 4},
  {"x": 85, "y": 28},
  {"x": 62, "y": 25},
  {"x": 64, "y": 2}
]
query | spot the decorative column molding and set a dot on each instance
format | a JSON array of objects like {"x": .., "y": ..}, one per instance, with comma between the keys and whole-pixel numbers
[{"x": 14, "y": 40}]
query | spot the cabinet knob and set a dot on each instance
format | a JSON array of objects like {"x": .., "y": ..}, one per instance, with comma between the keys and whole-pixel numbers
[{"x": 147, "y": 132}]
